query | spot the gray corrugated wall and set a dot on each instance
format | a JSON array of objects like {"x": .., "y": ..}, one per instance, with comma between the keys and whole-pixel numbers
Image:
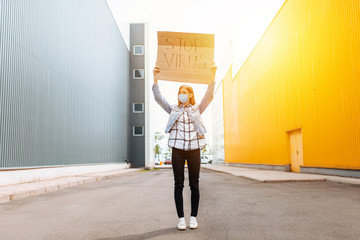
[{"x": 64, "y": 84}]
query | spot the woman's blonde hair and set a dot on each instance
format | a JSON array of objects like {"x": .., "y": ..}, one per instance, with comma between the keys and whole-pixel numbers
[{"x": 190, "y": 89}]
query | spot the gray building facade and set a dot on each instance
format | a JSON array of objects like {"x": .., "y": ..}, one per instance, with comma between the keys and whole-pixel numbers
[
  {"x": 137, "y": 95},
  {"x": 64, "y": 84}
]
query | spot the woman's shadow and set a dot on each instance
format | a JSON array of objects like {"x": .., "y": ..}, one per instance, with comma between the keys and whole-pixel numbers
[{"x": 146, "y": 235}]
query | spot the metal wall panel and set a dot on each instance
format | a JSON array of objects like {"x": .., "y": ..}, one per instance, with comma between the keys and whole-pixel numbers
[
  {"x": 303, "y": 73},
  {"x": 64, "y": 84}
]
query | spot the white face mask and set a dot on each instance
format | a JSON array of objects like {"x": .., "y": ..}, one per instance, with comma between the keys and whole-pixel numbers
[{"x": 183, "y": 98}]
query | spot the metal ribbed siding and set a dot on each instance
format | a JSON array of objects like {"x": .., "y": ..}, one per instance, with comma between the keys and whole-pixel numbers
[
  {"x": 303, "y": 73},
  {"x": 64, "y": 84}
]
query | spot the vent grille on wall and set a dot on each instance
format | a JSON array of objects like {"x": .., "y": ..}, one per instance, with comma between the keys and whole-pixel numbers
[
  {"x": 138, "y": 73},
  {"x": 138, "y": 50},
  {"x": 138, "y": 130}
]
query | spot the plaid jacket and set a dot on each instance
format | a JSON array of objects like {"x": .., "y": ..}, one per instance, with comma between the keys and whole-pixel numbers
[
  {"x": 183, "y": 134},
  {"x": 175, "y": 112}
]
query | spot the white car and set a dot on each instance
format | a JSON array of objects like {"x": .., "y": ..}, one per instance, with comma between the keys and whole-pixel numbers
[{"x": 206, "y": 159}]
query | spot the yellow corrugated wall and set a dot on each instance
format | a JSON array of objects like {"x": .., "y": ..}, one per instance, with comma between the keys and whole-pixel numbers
[{"x": 303, "y": 73}]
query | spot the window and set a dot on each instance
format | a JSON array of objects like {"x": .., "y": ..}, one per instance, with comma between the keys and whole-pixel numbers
[
  {"x": 138, "y": 107},
  {"x": 138, "y": 130},
  {"x": 138, "y": 50},
  {"x": 138, "y": 73}
]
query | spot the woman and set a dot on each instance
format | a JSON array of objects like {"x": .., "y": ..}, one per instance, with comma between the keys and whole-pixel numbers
[{"x": 186, "y": 140}]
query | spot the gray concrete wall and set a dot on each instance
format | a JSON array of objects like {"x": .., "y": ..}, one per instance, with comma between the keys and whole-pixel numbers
[{"x": 63, "y": 84}]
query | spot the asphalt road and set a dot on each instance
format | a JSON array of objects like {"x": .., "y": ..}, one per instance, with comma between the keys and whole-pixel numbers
[{"x": 140, "y": 205}]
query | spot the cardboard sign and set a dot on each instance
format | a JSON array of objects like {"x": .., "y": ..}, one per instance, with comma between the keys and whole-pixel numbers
[{"x": 185, "y": 57}]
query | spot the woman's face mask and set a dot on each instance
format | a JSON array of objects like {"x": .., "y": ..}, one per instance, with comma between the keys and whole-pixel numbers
[{"x": 183, "y": 98}]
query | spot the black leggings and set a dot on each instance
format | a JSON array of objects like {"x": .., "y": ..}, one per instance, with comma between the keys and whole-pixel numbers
[{"x": 193, "y": 162}]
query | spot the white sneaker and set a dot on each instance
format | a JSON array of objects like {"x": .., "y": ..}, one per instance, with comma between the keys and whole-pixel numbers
[
  {"x": 193, "y": 223},
  {"x": 182, "y": 224}
]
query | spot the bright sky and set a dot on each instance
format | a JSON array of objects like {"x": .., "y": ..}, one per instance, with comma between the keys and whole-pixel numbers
[{"x": 241, "y": 21}]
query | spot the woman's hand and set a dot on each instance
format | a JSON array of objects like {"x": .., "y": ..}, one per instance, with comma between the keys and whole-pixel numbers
[
  {"x": 213, "y": 70},
  {"x": 155, "y": 71}
]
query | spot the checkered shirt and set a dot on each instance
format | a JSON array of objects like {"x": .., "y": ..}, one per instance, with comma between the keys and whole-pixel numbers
[{"x": 183, "y": 134}]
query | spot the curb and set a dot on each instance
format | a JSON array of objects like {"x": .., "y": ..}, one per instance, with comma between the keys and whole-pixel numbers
[
  {"x": 352, "y": 181},
  {"x": 54, "y": 185},
  {"x": 315, "y": 178}
]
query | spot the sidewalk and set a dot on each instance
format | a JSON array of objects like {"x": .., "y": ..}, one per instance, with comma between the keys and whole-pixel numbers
[
  {"x": 278, "y": 176},
  {"x": 16, "y": 191}
]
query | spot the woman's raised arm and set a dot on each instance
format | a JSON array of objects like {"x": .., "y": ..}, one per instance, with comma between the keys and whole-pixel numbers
[
  {"x": 157, "y": 94},
  {"x": 209, "y": 94}
]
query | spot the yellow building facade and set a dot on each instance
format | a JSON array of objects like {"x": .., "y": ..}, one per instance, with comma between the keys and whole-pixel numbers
[{"x": 295, "y": 102}]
